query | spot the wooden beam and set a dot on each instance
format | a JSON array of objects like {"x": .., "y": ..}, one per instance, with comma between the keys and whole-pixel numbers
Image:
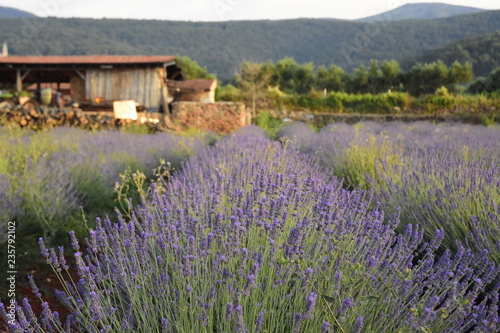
[
  {"x": 80, "y": 74},
  {"x": 19, "y": 81},
  {"x": 25, "y": 74}
]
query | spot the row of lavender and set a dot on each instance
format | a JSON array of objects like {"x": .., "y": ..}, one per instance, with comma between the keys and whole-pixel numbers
[
  {"x": 254, "y": 236},
  {"x": 46, "y": 177},
  {"x": 440, "y": 176}
]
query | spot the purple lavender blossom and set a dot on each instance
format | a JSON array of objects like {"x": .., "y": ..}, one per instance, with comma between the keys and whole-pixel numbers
[
  {"x": 34, "y": 287},
  {"x": 347, "y": 304},
  {"x": 164, "y": 325},
  {"x": 240, "y": 322},
  {"x": 358, "y": 326},
  {"x": 259, "y": 322},
  {"x": 311, "y": 305},
  {"x": 326, "y": 327}
]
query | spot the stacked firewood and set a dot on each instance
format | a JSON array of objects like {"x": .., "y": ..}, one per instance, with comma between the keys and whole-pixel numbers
[{"x": 37, "y": 119}]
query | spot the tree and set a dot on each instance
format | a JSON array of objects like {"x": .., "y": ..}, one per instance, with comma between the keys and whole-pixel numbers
[
  {"x": 192, "y": 70},
  {"x": 358, "y": 82},
  {"x": 426, "y": 78},
  {"x": 486, "y": 85},
  {"x": 284, "y": 75},
  {"x": 304, "y": 78},
  {"x": 331, "y": 79},
  {"x": 461, "y": 73},
  {"x": 253, "y": 79},
  {"x": 375, "y": 76},
  {"x": 391, "y": 74}
]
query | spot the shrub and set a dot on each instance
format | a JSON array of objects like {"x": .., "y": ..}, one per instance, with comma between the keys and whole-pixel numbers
[
  {"x": 269, "y": 123},
  {"x": 442, "y": 177}
]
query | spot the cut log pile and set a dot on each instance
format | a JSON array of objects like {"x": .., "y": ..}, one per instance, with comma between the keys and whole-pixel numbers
[{"x": 37, "y": 119}]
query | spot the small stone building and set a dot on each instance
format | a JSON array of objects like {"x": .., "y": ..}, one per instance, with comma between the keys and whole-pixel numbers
[{"x": 194, "y": 90}]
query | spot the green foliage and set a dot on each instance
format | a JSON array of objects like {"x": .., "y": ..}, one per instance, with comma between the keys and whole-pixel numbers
[
  {"x": 292, "y": 77},
  {"x": 426, "y": 78},
  {"x": 331, "y": 103},
  {"x": 331, "y": 79},
  {"x": 390, "y": 74},
  {"x": 488, "y": 121},
  {"x": 489, "y": 84},
  {"x": 461, "y": 73},
  {"x": 344, "y": 102},
  {"x": 358, "y": 82},
  {"x": 138, "y": 129},
  {"x": 222, "y": 46},
  {"x": 253, "y": 81},
  {"x": 375, "y": 79},
  {"x": 269, "y": 123},
  {"x": 378, "y": 89},
  {"x": 481, "y": 51},
  {"x": 367, "y": 163},
  {"x": 228, "y": 93},
  {"x": 192, "y": 69}
]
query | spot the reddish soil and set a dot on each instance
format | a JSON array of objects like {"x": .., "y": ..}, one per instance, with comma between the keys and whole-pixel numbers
[{"x": 47, "y": 282}]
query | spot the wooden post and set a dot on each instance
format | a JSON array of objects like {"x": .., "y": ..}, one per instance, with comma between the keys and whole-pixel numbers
[
  {"x": 164, "y": 98},
  {"x": 19, "y": 82},
  {"x": 38, "y": 83}
]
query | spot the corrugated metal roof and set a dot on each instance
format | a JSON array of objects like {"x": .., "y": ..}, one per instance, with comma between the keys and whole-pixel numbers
[{"x": 88, "y": 60}]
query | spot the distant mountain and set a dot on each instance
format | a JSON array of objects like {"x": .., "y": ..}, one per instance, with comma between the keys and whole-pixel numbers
[
  {"x": 421, "y": 11},
  {"x": 7, "y": 12},
  {"x": 222, "y": 47},
  {"x": 481, "y": 51}
]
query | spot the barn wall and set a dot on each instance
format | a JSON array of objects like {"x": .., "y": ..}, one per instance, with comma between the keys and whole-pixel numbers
[
  {"x": 143, "y": 85},
  {"x": 77, "y": 88}
]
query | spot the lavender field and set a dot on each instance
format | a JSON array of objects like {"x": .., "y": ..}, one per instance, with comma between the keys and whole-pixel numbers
[{"x": 365, "y": 228}]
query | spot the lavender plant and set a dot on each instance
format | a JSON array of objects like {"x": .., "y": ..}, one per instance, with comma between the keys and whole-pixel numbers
[
  {"x": 449, "y": 190},
  {"x": 57, "y": 172},
  {"x": 252, "y": 236},
  {"x": 442, "y": 177},
  {"x": 9, "y": 206},
  {"x": 48, "y": 178}
]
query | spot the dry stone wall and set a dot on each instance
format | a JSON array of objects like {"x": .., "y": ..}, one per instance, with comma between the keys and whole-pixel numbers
[{"x": 221, "y": 117}]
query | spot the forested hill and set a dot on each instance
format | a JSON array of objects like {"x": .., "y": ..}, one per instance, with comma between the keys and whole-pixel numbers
[
  {"x": 223, "y": 46},
  {"x": 422, "y": 11},
  {"x": 7, "y": 12},
  {"x": 482, "y": 51}
]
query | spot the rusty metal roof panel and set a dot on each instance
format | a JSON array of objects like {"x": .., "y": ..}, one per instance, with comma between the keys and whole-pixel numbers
[{"x": 86, "y": 60}]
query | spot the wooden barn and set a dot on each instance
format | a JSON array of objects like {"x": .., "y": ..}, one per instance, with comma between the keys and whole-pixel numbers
[{"x": 97, "y": 78}]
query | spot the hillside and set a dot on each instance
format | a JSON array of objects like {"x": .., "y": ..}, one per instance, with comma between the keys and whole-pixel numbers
[
  {"x": 7, "y": 12},
  {"x": 223, "y": 46},
  {"x": 421, "y": 11},
  {"x": 482, "y": 51}
]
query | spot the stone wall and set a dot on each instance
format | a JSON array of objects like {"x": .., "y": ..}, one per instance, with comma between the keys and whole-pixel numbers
[
  {"x": 220, "y": 117},
  {"x": 323, "y": 119}
]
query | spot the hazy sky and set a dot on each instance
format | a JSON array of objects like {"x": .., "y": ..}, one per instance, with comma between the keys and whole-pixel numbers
[{"x": 221, "y": 10}]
